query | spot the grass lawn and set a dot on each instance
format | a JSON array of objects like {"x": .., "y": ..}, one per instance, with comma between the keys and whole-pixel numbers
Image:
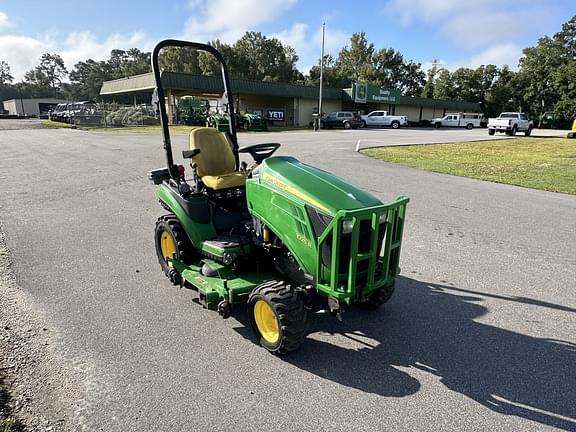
[
  {"x": 54, "y": 124},
  {"x": 539, "y": 163}
]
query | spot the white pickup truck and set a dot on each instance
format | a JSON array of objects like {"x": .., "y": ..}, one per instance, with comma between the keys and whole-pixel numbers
[
  {"x": 510, "y": 123},
  {"x": 381, "y": 118},
  {"x": 467, "y": 120}
]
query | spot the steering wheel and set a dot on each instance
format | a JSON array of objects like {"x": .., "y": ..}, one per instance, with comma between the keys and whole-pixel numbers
[{"x": 259, "y": 152}]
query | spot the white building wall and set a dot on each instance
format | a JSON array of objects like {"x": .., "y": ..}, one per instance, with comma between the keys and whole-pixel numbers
[
  {"x": 29, "y": 107},
  {"x": 307, "y": 106}
]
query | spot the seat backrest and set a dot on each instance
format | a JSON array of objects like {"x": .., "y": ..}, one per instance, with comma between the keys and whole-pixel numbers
[{"x": 216, "y": 156}]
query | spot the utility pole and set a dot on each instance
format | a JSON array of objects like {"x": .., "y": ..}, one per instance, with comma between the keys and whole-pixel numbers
[{"x": 321, "y": 77}]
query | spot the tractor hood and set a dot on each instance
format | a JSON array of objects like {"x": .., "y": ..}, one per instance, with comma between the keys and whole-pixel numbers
[{"x": 320, "y": 189}]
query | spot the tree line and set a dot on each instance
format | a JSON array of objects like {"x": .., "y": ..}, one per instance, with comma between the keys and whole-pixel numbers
[{"x": 545, "y": 80}]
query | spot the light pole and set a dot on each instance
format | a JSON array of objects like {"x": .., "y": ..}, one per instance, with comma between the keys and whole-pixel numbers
[{"x": 321, "y": 78}]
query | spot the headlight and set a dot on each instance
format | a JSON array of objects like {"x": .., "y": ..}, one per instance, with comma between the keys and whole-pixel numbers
[{"x": 347, "y": 226}]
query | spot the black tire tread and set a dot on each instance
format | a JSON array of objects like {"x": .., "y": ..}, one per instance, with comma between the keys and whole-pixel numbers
[
  {"x": 184, "y": 249},
  {"x": 290, "y": 310}
]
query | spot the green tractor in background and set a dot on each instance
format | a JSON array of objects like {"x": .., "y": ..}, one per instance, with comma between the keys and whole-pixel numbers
[
  {"x": 218, "y": 120},
  {"x": 252, "y": 122},
  {"x": 282, "y": 237}
]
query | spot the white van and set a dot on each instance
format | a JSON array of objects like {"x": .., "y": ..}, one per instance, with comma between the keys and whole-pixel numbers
[{"x": 467, "y": 120}]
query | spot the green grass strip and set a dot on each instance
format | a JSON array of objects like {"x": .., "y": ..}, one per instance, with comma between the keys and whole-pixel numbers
[{"x": 539, "y": 163}]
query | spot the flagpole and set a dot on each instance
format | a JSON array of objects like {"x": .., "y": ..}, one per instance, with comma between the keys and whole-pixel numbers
[{"x": 321, "y": 77}]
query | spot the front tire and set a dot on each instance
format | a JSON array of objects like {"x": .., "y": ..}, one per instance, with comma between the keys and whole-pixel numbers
[
  {"x": 395, "y": 125},
  {"x": 437, "y": 125},
  {"x": 278, "y": 316},
  {"x": 528, "y": 131},
  {"x": 469, "y": 126},
  {"x": 171, "y": 242},
  {"x": 491, "y": 131},
  {"x": 377, "y": 298},
  {"x": 347, "y": 125}
]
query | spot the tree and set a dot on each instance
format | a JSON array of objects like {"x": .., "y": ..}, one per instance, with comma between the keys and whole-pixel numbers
[
  {"x": 5, "y": 76},
  {"x": 86, "y": 79},
  {"x": 356, "y": 63},
  {"x": 266, "y": 59},
  {"x": 179, "y": 59},
  {"x": 444, "y": 86},
  {"x": 503, "y": 94},
  {"x": 49, "y": 73},
  {"x": 428, "y": 89},
  {"x": 546, "y": 71}
]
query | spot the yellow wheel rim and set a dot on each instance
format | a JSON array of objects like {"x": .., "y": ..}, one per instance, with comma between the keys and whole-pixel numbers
[
  {"x": 167, "y": 245},
  {"x": 266, "y": 322}
]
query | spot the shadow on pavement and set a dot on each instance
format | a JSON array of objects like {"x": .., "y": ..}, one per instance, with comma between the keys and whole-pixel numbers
[{"x": 431, "y": 327}]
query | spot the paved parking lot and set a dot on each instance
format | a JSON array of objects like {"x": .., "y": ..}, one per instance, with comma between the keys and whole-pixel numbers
[{"x": 479, "y": 335}]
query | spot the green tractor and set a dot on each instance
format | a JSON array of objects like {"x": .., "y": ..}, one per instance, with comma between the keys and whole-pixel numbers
[
  {"x": 220, "y": 121},
  {"x": 285, "y": 238},
  {"x": 253, "y": 122}
]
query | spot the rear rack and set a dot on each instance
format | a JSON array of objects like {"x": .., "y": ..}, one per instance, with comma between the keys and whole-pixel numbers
[{"x": 382, "y": 268}]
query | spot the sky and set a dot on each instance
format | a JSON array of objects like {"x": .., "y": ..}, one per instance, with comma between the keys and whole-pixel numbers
[{"x": 457, "y": 33}]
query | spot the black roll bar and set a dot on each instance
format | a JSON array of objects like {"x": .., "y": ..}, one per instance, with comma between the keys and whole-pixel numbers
[{"x": 162, "y": 101}]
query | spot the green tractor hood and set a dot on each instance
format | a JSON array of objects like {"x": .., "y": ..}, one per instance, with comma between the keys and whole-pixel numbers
[{"x": 315, "y": 187}]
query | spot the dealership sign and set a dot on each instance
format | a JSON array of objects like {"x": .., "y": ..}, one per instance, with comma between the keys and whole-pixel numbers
[
  {"x": 276, "y": 114},
  {"x": 366, "y": 93}
]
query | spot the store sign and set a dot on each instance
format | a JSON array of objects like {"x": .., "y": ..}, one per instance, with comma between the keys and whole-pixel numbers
[
  {"x": 366, "y": 93},
  {"x": 276, "y": 115},
  {"x": 360, "y": 93}
]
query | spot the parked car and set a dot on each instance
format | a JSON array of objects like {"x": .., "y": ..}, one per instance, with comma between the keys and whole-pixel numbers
[
  {"x": 381, "y": 118},
  {"x": 57, "y": 114},
  {"x": 510, "y": 123},
  {"x": 467, "y": 120},
  {"x": 345, "y": 119}
]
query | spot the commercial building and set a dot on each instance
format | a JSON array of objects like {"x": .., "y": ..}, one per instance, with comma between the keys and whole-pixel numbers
[
  {"x": 31, "y": 107},
  {"x": 281, "y": 103}
]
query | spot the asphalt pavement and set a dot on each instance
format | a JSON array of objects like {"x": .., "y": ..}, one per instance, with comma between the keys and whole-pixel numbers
[{"x": 480, "y": 334}]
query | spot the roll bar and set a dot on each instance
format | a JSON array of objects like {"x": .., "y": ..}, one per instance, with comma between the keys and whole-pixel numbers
[{"x": 161, "y": 100}]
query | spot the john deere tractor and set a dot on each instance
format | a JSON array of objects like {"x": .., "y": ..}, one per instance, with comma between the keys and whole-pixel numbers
[{"x": 282, "y": 237}]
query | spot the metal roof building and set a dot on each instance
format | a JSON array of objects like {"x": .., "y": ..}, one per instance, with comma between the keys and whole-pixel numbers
[{"x": 296, "y": 102}]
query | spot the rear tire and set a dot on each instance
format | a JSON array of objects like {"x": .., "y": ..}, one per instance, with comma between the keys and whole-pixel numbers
[
  {"x": 513, "y": 131},
  {"x": 278, "y": 316},
  {"x": 172, "y": 242},
  {"x": 469, "y": 126},
  {"x": 395, "y": 125}
]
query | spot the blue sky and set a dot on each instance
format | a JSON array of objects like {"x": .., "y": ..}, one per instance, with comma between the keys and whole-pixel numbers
[{"x": 455, "y": 32}]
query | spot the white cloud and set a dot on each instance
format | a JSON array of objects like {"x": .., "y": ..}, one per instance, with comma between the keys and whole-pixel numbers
[
  {"x": 424, "y": 10},
  {"x": 308, "y": 45},
  {"x": 294, "y": 37},
  {"x": 472, "y": 30},
  {"x": 499, "y": 55},
  {"x": 23, "y": 53},
  {"x": 4, "y": 22},
  {"x": 472, "y": 24},
  {"x": 228, "y": 20},
  {"x": 84, "y": 45}
]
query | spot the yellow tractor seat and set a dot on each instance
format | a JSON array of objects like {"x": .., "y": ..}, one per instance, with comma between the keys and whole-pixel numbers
[{"x": 215, "y": 164}]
